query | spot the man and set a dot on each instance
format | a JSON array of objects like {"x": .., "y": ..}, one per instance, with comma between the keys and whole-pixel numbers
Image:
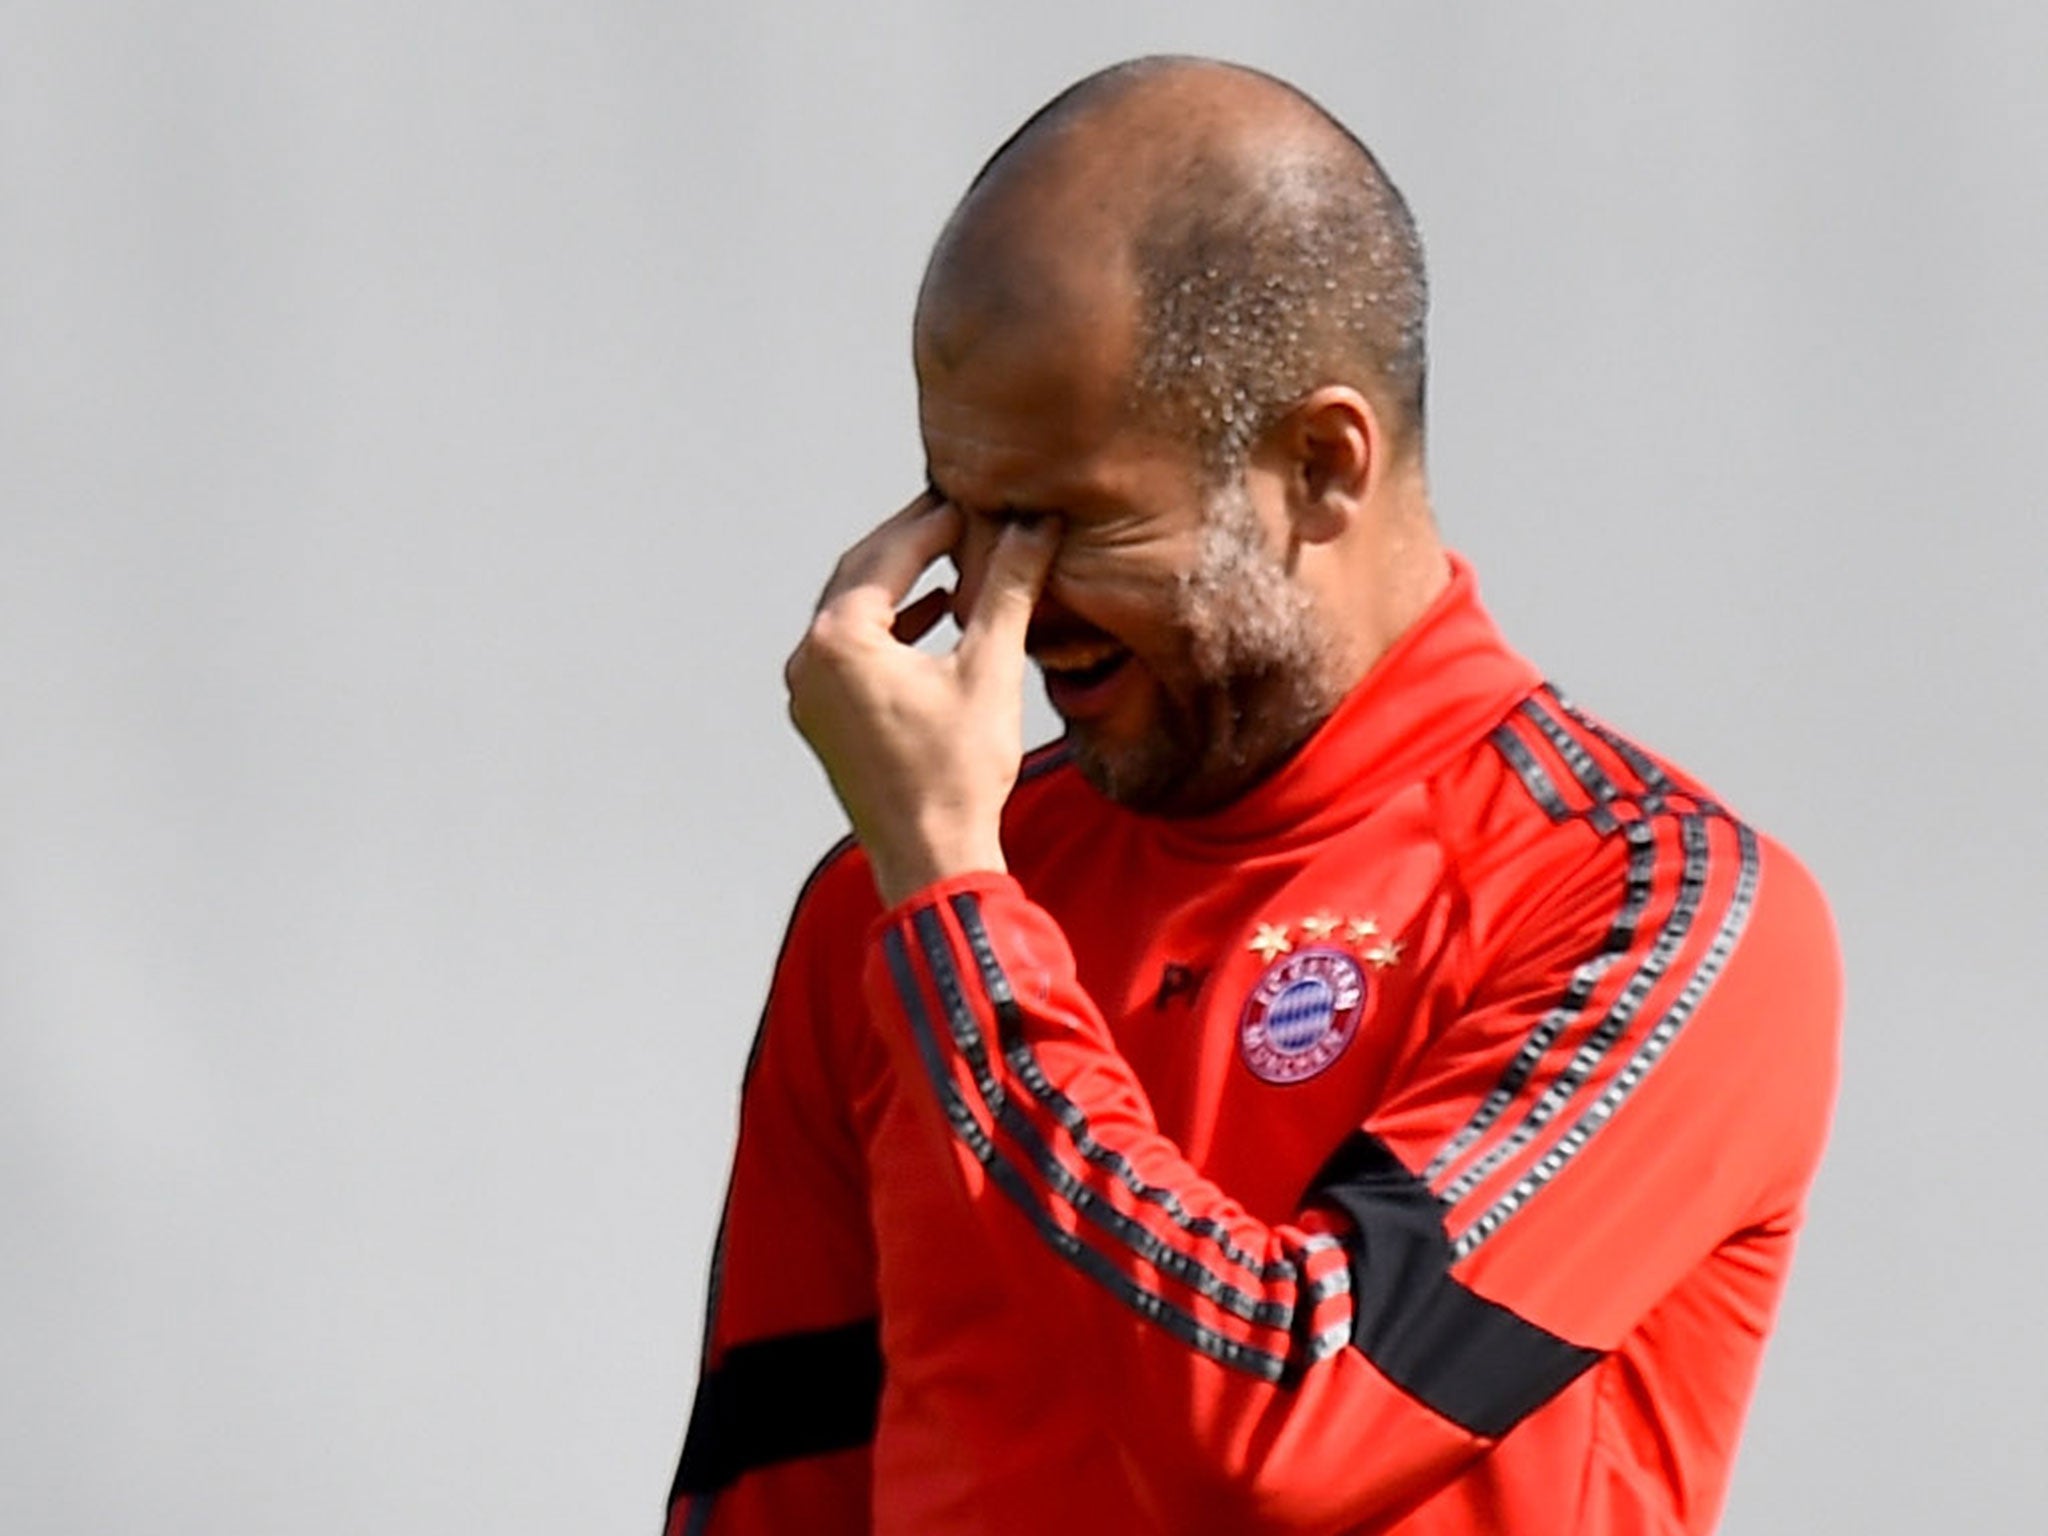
[{"x": 1342, "y": 1086}]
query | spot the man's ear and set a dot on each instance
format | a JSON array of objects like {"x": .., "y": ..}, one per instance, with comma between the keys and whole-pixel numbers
[{"x": 1330, "y": 449}]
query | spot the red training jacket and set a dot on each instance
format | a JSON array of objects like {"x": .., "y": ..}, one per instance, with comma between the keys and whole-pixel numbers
[{"x": 1416, "y": 1145}]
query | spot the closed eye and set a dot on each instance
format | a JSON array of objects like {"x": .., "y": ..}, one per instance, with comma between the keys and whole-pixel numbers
[
  {"x": 1021, "y": 517},
  {"x": 1002, "y": 516}
]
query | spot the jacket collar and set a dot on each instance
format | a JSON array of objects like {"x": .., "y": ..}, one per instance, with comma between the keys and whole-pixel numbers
[{"x": 1447, "y": 681}]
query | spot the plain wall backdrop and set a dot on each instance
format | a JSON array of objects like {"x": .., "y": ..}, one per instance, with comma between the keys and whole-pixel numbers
[{"x": 423, "y": 430}]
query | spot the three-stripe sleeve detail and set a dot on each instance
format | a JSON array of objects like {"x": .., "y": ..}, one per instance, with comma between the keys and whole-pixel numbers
[
  {"x": 1662, "y": 826},
  {"x": 1024, "y": 1061},
  {"x": 1060, "y": 1180},
  {"x": 1583, "y": 765},
  {"x": 1646, "y": 1056},
  {"x": 1058, "y": 1204},
  {"x": 1534, "y": 776},
  {"x": 1586, "y": 1060},
  {"x": 1578, "y": 997}
]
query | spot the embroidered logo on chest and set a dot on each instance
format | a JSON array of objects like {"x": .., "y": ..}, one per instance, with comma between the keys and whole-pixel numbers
[{"x": 1301, "y": 1014}]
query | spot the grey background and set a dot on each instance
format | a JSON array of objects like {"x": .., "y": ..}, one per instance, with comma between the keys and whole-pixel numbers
[{"x": 422, "y": 431}]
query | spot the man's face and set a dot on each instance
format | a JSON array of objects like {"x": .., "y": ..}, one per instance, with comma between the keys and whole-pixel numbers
[{"x": 1183, "y": 657}]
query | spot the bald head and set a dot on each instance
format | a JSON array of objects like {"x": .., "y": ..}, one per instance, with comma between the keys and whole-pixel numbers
[{"x": 1213, "y": 229}]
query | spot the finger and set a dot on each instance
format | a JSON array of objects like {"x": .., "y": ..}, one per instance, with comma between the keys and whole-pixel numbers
[
  {"x": 915, "y": 622},
  {"x": 859, "y": 564},
  {"x": 892, "y": 556},
  {"x": 1017, "y": 568}
]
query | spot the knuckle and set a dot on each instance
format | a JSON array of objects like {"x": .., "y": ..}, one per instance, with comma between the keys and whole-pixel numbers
[{"x": 823, "y": 635}]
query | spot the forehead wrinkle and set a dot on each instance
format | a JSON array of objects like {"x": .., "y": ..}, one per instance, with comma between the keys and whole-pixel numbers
[
  {"x": 1003, "y": 447},
  {"x": 965, "y": 490}
]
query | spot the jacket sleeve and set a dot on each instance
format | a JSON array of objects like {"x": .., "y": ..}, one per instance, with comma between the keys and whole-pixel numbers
[
  {"x": 1324, "y": 1374},
  {"x": 788, "y": 1389}
]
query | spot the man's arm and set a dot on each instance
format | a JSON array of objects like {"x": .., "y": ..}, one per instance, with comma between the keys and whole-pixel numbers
[
  {"x": 1329, "y": 1372},
  {"x": 786, "y": 1398}
]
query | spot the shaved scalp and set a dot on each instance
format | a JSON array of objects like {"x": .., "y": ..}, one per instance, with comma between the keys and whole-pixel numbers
[{"x": 1250, "y": 244}]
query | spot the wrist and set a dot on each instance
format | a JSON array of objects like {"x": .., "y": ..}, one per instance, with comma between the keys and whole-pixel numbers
[{"x": 903, "y": 868}]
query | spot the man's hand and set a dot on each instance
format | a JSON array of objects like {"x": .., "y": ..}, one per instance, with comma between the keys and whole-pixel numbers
[{"x": 922, "y": 750}]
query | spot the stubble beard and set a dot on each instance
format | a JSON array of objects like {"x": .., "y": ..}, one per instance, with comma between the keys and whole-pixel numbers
[{"x": 1258, "y": 677}]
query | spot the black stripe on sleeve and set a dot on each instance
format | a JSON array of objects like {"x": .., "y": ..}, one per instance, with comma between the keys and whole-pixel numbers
[
  {"x": 1542, "y": 789},
  {"x": 1637, "y": 889},
  {"x": 1007, "y": 1177},
  {"x": 1657, "y": 784},
  {"x": 1733, "y": 921},
  {"x": 1059, "y": 1180},
  {"x": 1621, "y": 1017},
  {"x": 1573, "y": 754},
  {"x": 1469, "y": 1359},
  {"x": 772, "y": 1400},
  {"x": 1024, "y": 1062}
]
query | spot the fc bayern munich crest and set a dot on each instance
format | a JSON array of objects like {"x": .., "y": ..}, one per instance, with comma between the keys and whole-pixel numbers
[{"x": 1302, "y": 1014}]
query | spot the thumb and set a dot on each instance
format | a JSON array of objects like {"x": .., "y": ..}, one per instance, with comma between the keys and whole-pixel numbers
[{"x": 1017, "y": 569}]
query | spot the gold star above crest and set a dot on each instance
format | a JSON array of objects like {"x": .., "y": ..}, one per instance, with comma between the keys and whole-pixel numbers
[
  {"x": 1380, "y": 956},
  {"x": 1321, "y": 926},
  {"x": 1359, "y": 929},
  {"x": 1271, "y": 941}
]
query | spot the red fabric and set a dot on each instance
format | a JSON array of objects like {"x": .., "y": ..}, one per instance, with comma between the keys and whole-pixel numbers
[{"x": 1027, "y": 1159}]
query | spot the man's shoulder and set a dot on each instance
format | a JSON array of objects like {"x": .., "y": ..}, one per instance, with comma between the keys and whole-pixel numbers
[
  {"x": 1558, "y": 821},
  {"x": 1560, "y": 775},
  {"x": 838, "y": 893}
]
